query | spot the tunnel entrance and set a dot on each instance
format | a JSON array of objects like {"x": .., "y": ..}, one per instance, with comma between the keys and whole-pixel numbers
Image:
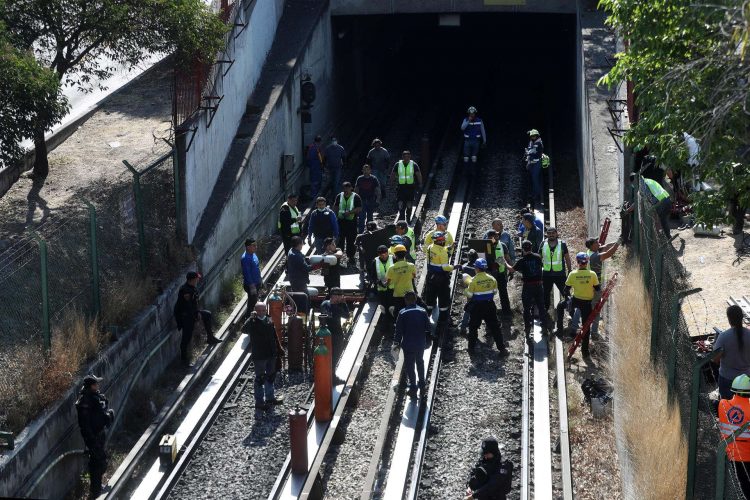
[{"x": 519, "y": 70}]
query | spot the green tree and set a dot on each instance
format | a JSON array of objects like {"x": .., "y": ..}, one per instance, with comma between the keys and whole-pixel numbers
[
  {"x": 80, "y": 40},
  {"x": 688, "y": 64}
]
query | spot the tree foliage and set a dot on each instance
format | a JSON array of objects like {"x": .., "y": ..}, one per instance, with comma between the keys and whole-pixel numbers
[
  {"x": 688, "y": 61},
  {"x": 29, "y": 95},
  {"x": 82, "y": 41}
]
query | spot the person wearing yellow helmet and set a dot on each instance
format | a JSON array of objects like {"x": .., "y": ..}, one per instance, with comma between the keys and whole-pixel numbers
[
  {"x": 400, "y": 278},
  {"x": 733, "y": 414},
  {"x": 437, "y": 289}
]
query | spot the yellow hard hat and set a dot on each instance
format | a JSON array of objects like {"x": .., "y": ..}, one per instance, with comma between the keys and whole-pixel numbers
[
  {"x": 533, "y": 131},
  {"x": 399, "y": 248}
]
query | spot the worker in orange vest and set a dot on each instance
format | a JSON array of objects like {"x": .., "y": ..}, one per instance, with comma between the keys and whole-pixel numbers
[{"x": 733, "y": 413}]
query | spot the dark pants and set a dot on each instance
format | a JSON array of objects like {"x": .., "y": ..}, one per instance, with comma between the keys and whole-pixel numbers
[
  {"x": 585, "y": 307},
  {"x": 405, "y": 197},
  {"x": 337, "y": 339},
  {"x": 533, "y": 295},
  {"x": 549, "y": 282},
  {"x": 535, "y": 181},
  {"x": 414, "y": 359},
  {"x": 502, "y": 288},
  {"x": 397, "y": 303},
  {"x": 316, "y": 179},
  {"x": 485, "y": 310},
  {"x": 287, "y": 241},
  {"x": 663, "y": 210},
  {"x": 252, "y": 298},
  {"x": 347, "y": 235},
  {"x": 437, "y": 291},
  {"x": 366, "y": 215},
  {"x": 725, "y": 388},
  {"x": 265, "y": 374},
  {"x": 187, "y": 332},
  {"x": 97, "y": 464},
  {"x": 385, "y": 297}
]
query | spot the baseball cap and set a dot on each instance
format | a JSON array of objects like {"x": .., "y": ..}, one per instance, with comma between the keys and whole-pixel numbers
[
  {"x": 192, "y": 275},
  {"x": 91, "y": 379}
]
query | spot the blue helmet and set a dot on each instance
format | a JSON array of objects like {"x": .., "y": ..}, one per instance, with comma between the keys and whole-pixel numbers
[
  {"x": 438, "y": 236},
  {"x": 480, "y": 263},
  {"x": 582, "y": 258},
  {"x": 396, "y": 240},
  {"x": 441, "y": 219}
]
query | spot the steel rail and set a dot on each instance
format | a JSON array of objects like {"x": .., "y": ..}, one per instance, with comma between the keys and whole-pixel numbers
[
  {"x": 424, "y": 423},
  {"x": 369, "y": 485}
]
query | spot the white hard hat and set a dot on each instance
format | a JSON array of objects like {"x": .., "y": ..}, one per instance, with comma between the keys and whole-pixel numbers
[{"x": 472, "y": 109}]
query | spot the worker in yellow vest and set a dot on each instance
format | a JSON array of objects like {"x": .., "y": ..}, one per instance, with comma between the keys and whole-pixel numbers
[
  {"x": 377, "y": 272},
  {"x": 441, "y": 224},
  {"x": 437, "y": 287},
  {"x": 290, "y": 221},
  {"x": 409, "y": 241},
  {"x": 661, "y": 200},
  {"x": 555, "y": 257},
  {"x": 481, "y": 294},
  {"x": 400, "y": 278},
  {"x": 347, "y": 207},
  {"x": 499, "y": 264},
  {"x": 409, "y": 178}
]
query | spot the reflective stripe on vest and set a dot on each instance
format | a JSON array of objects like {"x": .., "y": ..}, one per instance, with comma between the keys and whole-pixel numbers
[
  {"x": 346, "y": 205},
  {"x": 405, "y": 172},
  {"x": 733, "y": 413},
  {"x": 413, "y": 247},
  {"x": 473, "y": 129},
  {"x": 500, "y": 257},
  {"x": 381, "y": 268},
  {"x": 294, "y": 227},
  {"x": 659, "y": 192},
  {"x": 555, "y": 261}
]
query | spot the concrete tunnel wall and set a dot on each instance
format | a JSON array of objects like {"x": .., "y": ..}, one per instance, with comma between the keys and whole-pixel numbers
[
  {"x": 210, "y": 144},
  {"x": 258, "y": 191}
]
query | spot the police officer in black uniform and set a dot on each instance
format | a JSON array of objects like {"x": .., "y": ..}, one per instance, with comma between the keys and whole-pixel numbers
[
  {"x": 186, "y": 313},
  {"x": 491, "y": 478},
  {"x": 94, "y": 416}
]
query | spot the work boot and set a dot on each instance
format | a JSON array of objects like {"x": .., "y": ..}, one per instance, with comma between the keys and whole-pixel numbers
[
  {"x": 277, "y": 400},
  {"x": 472, "y": 344},
  {"x": 213, "y": 340}
]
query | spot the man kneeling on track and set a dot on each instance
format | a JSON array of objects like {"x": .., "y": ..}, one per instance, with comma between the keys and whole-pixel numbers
[
  {"x": 491, "y": 478},
  {"x": 412, "y": 331}
]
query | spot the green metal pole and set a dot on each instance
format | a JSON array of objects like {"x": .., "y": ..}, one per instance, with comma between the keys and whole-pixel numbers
[
  {"x": 656, "y": 302},
  {"x": 46, "y": 335},
  {"x": 693, "y": 433},
  {"x": 674, "y": 321},
  {"x": 721, "y": 460},
  {"x": 177, "y": 206},
  {"x": 637, "y": 225},
  {"x": 94, "y": 253}
]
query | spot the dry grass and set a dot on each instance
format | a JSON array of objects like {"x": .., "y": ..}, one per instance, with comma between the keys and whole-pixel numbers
[
  {"x": 31, "y": 381},
  {"x": 649, "y": 423},
  {"x": 121, "y": 301}
]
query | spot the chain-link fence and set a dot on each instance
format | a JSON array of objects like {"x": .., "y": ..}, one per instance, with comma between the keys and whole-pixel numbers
[{"x": 689, "y": 374}]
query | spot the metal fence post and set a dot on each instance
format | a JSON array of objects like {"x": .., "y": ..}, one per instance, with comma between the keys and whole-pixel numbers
[
  {"x": 46, "y": 334},
  {"x": 176, "y": 175},
  {"x": 94, "y": 253},
  {"x": 637, "y": 225},
  {"x": 674, "y": 322},
  {"x": 721, "y": 460},
  {"x": 693, "y": 433},
  {"x": 138, "y": 214}
]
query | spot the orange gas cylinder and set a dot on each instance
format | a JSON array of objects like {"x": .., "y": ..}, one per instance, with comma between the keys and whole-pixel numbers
[
  {"x": 323, "y": 386},
  {"x": 298, "y": 440},
  {"x": 275, "y": 309}
]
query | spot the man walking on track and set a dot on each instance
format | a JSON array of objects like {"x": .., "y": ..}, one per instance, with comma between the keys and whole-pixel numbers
[
  {"x": 474, "y": 137},
  {"x": 251, "y": 279},
  {"x": 347, "y": 207},
  {"x": 481, "y": 292},
  {"x": 290, "y": 221},
  {"x": 315, "y": 164},
  {"x": 409, "y": 180},
  {"x": 412, "y": 331},
  {"x": 583, "y": 284},
  {"x": 380, "y": 160}
]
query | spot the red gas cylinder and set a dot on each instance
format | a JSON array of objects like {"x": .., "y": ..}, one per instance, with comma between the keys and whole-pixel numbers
[
  {"x": 295, "y": 343},
  {"x": 323, "y": 387},
  {"x": 298, "y": 440},
  {"x": 275, "y": 309}
]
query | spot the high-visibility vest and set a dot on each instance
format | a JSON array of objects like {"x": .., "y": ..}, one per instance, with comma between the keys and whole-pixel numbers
[
  {"x": 659, "y": 192},
  {"x": 295, "y": 214},
  {"x": 448, "y": 240},
  {"x": 482, "y": 287},
  {"x": 346, "y": 205},
  {"x": 412, "y": 247},
  {"x": 405, "y": 172},
  {"x": 381, "y": 268},
  {"x": 733, "y": 413},
  {"x": 500, "y": 257},
  {"x": 438, "y": 259},
  {"x": 554, "y": 261}
]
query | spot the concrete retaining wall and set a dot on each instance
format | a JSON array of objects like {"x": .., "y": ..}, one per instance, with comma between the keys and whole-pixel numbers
[
  {"x": 210, "y": 144},
  {"x": 257, "y": 191},
  {"x": 56, "y": 431}
]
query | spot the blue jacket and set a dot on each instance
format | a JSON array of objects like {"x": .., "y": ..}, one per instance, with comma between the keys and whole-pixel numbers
[
  {"x": 314, "y": 156},
  {"x": 535, "y": 150},
  {"x": 412, "y": 328},
  {"x": 321, "y": 222},
  {"x": 474, "y": 130},
  {"x": 250, "y": 269},
  {"x": 297, "y": 269}
]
